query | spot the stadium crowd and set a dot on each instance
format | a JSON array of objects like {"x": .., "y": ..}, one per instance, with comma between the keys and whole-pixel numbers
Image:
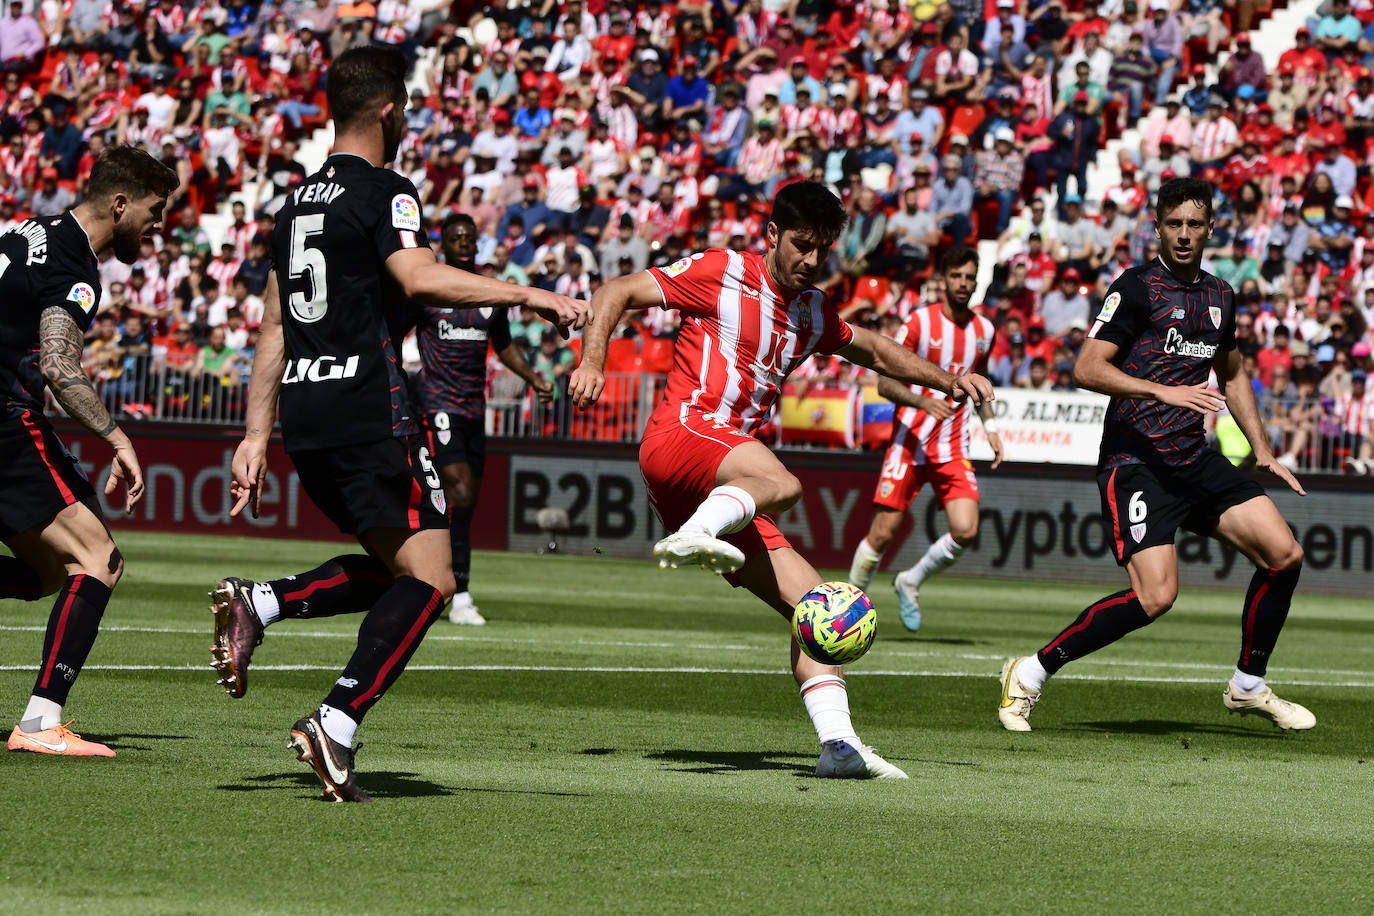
[{"x": 588, "y": 138}]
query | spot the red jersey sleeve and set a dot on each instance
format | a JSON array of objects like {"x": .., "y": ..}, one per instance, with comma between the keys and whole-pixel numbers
[
  {"x": 692, "y": 284},
  {"x": 837, "y": 333}
]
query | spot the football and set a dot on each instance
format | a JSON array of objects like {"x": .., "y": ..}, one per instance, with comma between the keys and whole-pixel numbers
[{"x": 834, "y": 623}]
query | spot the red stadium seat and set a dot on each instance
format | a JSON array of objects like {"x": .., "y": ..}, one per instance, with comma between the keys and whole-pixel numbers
[
  {"x": 622, "y": 355},
  {"x": 657, "y": 357},
  {"x": 965, "y": 120}
]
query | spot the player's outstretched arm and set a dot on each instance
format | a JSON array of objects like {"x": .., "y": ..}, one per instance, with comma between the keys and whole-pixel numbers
[
  {"x": 873, "y": 351},
  {"x": 1096, "y": 371},
  {"x": 269, "y": 364},
  {"x": 901, "y": 394},
  {"x": 514, "y": 359},
  {"x": 60, "y": 343},
  {"x": 1240, "y": 398},
  {"x": 427, "y": 282},
  {"x": 632, "y": 291}
]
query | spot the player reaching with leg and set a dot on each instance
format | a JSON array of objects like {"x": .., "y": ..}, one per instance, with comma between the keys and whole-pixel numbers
[
  {"x": 49, "y": 516},
  {"x": 351, "y": 253},
  {"x": 453, "y": 398},
  {"x": 747, "y": 322},
  {"x": 1162, "y": 328},
  {"x": 930, "y": 438}
]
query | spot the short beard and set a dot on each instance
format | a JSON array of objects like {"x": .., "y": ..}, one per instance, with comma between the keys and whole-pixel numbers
[{"x": 126, "y": 245}]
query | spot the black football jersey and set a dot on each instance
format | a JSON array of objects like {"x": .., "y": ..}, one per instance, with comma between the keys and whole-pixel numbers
[
  {"x": 343, "y": 315},
  {"x": 1167, "y": 332},
  {"x": 453, "y": 351},
  {"x": 44, "y": 261}
]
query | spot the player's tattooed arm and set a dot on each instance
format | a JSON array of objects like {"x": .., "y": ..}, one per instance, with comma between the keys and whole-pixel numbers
[{"x": 60, "y": 343}]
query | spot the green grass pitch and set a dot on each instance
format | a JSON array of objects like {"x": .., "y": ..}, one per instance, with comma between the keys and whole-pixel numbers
[{"x": 621, "y": 739}]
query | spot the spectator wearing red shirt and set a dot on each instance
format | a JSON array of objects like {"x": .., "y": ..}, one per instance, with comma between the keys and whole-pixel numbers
[
  {"x": 1090, "y": 22},
  {"x": 1248, "y": 165},
  {"x": 1261, "y": 128},
  {"x": 1278, "y": 354},
  {"x": 1325, "y": 131},
  {"x": 617, "y": 44},
  {"x": 1307, "y": 62}
]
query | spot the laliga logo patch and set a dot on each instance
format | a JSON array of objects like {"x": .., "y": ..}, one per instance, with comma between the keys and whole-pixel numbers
[
  {"x": 1109, "y": 307},
  {"x": 1214, "y": 312},
  {"x": 82, "y": 295},
  {"x": 1138, "y": 532},
  {"x": 680, "y": 265},
  {"x": 405, "y": 212}
]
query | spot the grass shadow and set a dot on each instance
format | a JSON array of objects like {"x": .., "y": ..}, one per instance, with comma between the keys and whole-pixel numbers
[
  {"x": 1163, "y": 727},
  {"x": 381, "y": 784},
  {"x": 130, "y": 741},
  {"x": 720, "y": 762}
]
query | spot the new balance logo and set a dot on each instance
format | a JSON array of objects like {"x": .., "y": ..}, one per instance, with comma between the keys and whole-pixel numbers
[{"x": 349, "y": 682}]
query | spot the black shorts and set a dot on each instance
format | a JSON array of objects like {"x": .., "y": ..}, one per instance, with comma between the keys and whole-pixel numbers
[
  {"x": 455, "y": 439},
  {"x": 1145, "y": 505},
  {"x": 387, "y": 484},
  {"x": 38, "y": 476}
]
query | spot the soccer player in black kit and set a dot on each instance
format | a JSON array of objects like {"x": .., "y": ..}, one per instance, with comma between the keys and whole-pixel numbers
[
  {"x": 1162, "y": 327},
  {"x": 49, "y": 515},
  {"x": 350, "y": 254},
  {"x": 453, "y": 398}
]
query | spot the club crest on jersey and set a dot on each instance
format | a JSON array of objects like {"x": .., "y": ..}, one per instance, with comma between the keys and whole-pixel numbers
[
  {"x": 885, "y": 488},
  {"x": 980, "y": 345},
  {"x": 444, "y": 436},
  {"x": 405, "y": 213},
  {"x": 1214, "y": 312},
  {"x": 1138, "y": 531},
  {"x": 1109, "y": 307},
  {"x": 82, "y": 295},
  {"x": 436, "y": 497}
]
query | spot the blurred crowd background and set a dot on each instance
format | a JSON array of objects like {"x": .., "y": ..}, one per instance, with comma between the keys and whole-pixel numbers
[{"x": 589, "y": 138}]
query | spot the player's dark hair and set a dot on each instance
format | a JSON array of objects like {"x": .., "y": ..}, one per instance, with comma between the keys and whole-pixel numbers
[
  {"x": 362, "y": 80},
  {"x": 1178, "y": 191},
  {"x": 454, "y": 219},
  {"x": 130, "y": 171},
  {"x": 958, "y": 256},
  {"x": 809, "y": 206}
]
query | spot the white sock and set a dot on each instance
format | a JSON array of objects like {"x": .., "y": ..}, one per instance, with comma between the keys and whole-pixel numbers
[
  {"x": 864, "y": 565},
  {"x": 1248, "y": 684},
  {"x": 724, "y": 511},
  {"x": 461, "y": 598},
  {"x": 827, "y": 703},
  {"x": 941, "y": 555},
  {"x": 40, "y": 715},
  {"x": 338, "y": 725},
  {"x": 265, "y": 604},
  {"x": 1031, "y": 673}
]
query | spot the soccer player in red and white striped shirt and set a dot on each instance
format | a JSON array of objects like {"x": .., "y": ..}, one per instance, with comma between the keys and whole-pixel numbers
[
  {"x": 748, "y": 321},
  {"x": 930, "y": 437}
]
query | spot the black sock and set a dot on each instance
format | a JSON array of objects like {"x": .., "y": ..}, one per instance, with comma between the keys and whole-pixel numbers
[
  {"x": 344, "y": 585},
  {"x": 72, "y": 628},
  {"x": 1266, "y": 608},
  {"x": 388, "y": 637},
  {"x": 1100, "y": 624},
  {"x": 18, "y": 580},
  {"x": 460, "y": 539}
]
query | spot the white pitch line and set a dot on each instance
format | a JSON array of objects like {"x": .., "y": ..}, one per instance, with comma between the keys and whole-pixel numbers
[
  {"x": 770, "y": 672},
  {"x": 886, "y": 651}
]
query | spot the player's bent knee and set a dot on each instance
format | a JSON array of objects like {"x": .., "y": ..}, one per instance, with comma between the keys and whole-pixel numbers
[
  {"x": 1157, "y": 601},
  {"x": 1292, "y": 559},
  {"x": 789, "y": 491},
  {"x": 963, "y": 535}
]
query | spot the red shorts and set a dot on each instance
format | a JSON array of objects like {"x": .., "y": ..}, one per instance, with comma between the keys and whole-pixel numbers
[
  {"x": 679, "y": 458},
  {"x": 902, "y": 479}
]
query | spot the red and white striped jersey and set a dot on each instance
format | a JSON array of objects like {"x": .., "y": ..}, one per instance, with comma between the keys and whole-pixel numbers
[
  {"x": 241, "y": 237},
  {"x": 1357, "y": 414},
  {"x": 740, "y": 338},
  {"x": 796, "y": 118},
  {"x": 1040, "y": 91},
  {"x": 837, "y": 128},
  {"x": 1210, "y": 138},
  {"x": 957, "y": 349},
  {"x": 223, "y": 272}
]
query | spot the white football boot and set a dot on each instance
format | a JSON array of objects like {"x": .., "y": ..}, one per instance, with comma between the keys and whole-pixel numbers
[
  {"x": 697, "y": 548},
  {"x": 843, "y": 760},
  {"x": 463, "y": 612},
  {"x": 1283, "y": 713}
]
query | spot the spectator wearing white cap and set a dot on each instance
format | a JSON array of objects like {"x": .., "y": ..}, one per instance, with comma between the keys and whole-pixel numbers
[
  {"x": 999, "y": 174},
  {"x": 647, "y": 88},
  {"x": 1005, "y": 15}
]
